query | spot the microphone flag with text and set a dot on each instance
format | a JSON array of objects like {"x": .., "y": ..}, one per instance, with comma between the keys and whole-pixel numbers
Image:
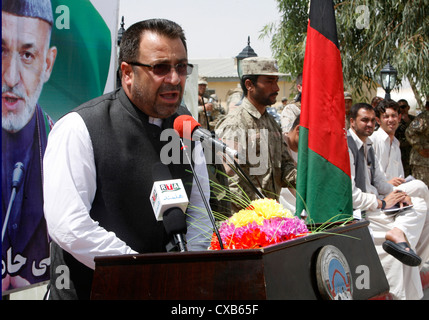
[{"x": 169, "y": 202}]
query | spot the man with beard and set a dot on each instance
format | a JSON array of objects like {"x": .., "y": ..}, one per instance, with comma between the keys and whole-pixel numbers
[
  {"x": 254, "y": 133},
  {"x": 100, "y": 160},
  {"x": 27, "y": 62}
]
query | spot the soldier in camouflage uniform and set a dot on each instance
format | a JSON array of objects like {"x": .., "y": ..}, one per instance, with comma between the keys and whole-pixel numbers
[
  {"x": 400, "y": 135},
  {"x": 293, "y": 109},
  {"x": 208, "y": 114},
  {"x": 348, "y": 102},
  {"x": 256, "y": 136},
  {"x": 208, "y": 108},
  {"x": 417, "y": 135}
]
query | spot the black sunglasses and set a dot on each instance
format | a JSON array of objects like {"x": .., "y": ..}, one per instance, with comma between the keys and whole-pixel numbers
[{"x": 162, "y": 69}]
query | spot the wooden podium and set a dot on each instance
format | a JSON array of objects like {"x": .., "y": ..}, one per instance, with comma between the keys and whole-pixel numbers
[{"x": 282, "y": 271}]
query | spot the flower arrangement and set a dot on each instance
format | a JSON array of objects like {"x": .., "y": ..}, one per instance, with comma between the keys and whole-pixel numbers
[{"x": 264, "y": 222}]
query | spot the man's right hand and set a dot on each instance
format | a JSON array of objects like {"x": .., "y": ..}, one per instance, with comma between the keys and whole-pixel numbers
[{"x": 395, "y": 197}]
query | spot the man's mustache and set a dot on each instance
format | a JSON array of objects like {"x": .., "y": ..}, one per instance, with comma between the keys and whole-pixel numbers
[
  {"x": 170, "y": 87},
  {"x": 14, "y": 90}
]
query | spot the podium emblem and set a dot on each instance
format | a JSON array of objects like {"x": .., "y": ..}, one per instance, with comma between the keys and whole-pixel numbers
[{"x": 334, "y": 279}]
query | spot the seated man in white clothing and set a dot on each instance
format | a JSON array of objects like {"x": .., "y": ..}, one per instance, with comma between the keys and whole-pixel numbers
[
  {"x": 386, "y": 145},
  {"x": 398, "y": 237},
  {"x": 388, "y": 152}
]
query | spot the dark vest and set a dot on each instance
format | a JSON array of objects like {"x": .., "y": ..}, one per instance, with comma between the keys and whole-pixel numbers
[
  {"x": 360, "y": 163},
  {"x": 125, "y": 148}
]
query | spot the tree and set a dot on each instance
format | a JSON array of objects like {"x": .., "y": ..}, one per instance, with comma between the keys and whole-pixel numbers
[{"x": 370, "y": 33}]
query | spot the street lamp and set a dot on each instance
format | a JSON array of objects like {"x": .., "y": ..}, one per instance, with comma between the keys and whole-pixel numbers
[
  {"x": 120, "y": 34},
  {"x": 388, "y": 78},
  {"x": 121, "y": 31},
  {"x": 245, "y": 53}
]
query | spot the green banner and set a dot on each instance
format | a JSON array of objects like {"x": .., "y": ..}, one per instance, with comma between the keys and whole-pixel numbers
[{"x": 84, "y": 45}]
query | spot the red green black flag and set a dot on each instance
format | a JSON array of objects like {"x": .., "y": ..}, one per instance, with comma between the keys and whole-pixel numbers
[{"x": 324, "y": 185}]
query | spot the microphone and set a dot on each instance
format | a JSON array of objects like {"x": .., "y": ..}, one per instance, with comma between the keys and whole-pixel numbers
[
  {"x": 176, "y": 228},
  {"x": 190, "y": 122},
  {"x": 169, "y": 202},
  {"x": 188, "y": 128},
  {"x": 17, "y": 178},
  {"x": 17, "y": 175}
]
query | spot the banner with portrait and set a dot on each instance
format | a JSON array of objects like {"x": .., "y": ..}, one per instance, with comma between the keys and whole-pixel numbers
[{"x": 56, "y": 55}]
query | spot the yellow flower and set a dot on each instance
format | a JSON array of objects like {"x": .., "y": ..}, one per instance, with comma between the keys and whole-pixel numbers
[
  {"x": 258, "y": 211},
  {"x": 270, "y": 208}
]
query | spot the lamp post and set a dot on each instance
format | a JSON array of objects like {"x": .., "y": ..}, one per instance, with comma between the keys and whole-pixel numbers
[
  {"x": 245, "y": 53},
  {"x": 388, "y": 78},
  {"x": 121, "y": 31},
  {"x": 120, "y": 34}
]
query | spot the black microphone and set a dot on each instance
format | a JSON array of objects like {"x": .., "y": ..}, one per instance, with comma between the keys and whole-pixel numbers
[
  {"x": 176, "y": 228},
  {"x": 17, "y": 178},
  {"x": 185, "y": 123},
  {"x": 169, "y": 201}
]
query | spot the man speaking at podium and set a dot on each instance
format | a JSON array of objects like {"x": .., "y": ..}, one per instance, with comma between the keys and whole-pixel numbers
[{"x": 99, "y": 159}]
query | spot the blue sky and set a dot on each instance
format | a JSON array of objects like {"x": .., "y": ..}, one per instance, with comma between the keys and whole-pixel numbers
[{"x": 214, "y": 28}]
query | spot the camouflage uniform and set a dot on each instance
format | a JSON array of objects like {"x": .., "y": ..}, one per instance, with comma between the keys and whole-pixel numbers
[
  {"x": 207, "y": 118},
  {"x": 289, "y": 114},
  {"x": 257, "y": 136},
  {"x": 348, "y": 98},
  {"x": 417, "y": 135},
  {"x": 216, "y": 171},
  {"x": 405, "y": 146},
  {"x": 211, "y": 115}
]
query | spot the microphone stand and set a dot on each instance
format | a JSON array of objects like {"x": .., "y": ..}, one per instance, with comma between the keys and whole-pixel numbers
[
  {"x": 16, "y": 182},
  {"x": 243, "y": 176},
  {"x": 181, "y": 243},
  {"x": 200, "y": 189},
  {"x": 238, "y": 170}
]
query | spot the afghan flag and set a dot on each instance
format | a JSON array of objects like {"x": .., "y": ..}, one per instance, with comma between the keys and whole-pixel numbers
[{"x": 324, "y": 187}]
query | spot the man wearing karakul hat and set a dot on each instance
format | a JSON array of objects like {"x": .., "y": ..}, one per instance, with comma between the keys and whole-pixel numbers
[{"x": 27, "y": 63}]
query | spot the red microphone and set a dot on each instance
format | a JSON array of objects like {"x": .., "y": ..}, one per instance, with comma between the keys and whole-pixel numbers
[
  {"x": 190, "y": 125},
  {"x": 188, "y": 128}
]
